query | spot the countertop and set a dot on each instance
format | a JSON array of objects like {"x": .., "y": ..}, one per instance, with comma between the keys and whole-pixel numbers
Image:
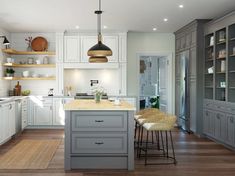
[{"x": 93, "y": 106}]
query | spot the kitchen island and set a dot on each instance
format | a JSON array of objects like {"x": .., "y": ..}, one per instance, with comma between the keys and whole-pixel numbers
[{"x": 99, "y": 135}]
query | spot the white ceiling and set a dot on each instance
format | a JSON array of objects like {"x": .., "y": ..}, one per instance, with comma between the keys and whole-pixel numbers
[{"x": 127, "y": 15}]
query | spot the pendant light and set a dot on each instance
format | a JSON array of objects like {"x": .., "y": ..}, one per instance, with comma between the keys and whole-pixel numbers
[{"x": 99, "y": 52}]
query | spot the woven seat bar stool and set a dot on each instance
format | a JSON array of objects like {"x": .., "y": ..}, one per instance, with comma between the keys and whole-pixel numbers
[
  {"x": 143, "y": 114},
  {"x": 165, "y": 125},
  {"x": 147, "y": 118}
]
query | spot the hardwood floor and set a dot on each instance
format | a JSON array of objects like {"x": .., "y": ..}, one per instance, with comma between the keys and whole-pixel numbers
[{"x": 195, "y": 156}]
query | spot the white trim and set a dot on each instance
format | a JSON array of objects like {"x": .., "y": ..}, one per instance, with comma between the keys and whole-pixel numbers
[{"x": 171, "y": 75}]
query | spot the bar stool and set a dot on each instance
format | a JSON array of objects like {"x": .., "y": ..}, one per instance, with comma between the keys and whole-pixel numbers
[
  {"x": 165, "y": 124},
  {"x": 146, "y": 118}
]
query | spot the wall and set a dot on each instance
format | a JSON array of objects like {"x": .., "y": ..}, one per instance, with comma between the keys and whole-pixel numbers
[
  {"x": 4, "y": 85},
  {"x": 37, "y": 87},
  {"x": 144, "y": 43},
  {"x": 79, "y": 79}
]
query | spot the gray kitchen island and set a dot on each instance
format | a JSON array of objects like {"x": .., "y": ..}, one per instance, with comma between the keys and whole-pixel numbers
[{"x": 99, "y": 135}]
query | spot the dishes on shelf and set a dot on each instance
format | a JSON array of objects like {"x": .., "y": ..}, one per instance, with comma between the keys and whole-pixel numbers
[{"x": 25, "y": 74}]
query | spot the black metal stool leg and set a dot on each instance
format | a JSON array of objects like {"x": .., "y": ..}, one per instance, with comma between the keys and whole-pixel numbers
[
  {"x": 167, "y": 155},
  {"x": 173, "y": 150},
  {"x": 141, "y": 140},
  {"x": 163, "y": 146},
  {"x": 135, "y": 130},
  {"x": 146, "y": 149},
  {"x": 152, "y": 138}
]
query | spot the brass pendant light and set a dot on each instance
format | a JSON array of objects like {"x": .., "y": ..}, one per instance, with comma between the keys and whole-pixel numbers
[{"x": 99, "y": 52}]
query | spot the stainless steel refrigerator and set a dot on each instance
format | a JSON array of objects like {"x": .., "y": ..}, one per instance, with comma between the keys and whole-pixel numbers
[{"x": 182, "y": 100}]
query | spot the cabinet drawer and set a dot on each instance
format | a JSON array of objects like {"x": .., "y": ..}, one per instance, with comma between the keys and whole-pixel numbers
[
  {"x": 99, "y": 121},
  {"x": 99, "y": 143}
]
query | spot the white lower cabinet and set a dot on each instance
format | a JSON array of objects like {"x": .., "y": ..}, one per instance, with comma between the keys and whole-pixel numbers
[
  {"x": 43, "y": 114},
  {"x": 7, "y": 121}
]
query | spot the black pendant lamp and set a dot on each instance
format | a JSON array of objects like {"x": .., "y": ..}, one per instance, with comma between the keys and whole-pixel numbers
[{"x": 99, "y": 52}]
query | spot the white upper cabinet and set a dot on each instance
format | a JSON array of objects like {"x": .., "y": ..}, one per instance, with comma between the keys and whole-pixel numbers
[
  {"x": 112, "y": 43},
  {"x": 71, "y": 49},
  {"x": 86, "y": 43}
]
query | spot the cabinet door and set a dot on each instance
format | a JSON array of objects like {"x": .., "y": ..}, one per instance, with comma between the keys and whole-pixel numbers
[
  {"x": 58, "y": 115},
  {"x": 5, "y": 122},
  {"x": 72, "y": 49},
  {"x": 193, "y": 104},
  {"x": 182, "y": 42},
  {"x": 177, "y": 66},
  {"x": 12, "y": 119},
  {"x": 208, "y": 122},
  {"x": 192, "y": 62},
  {"x": 86, "y": 43},
  {"x": 43, "y": 115},
  {"x": 193, "y": 38},
  {"x": 177, "y": 43},
  {"x": 220, "y": 126},
  {"x": 112, "y": 43},
  {"x": 2, "y": 123},
  {"x": 188, "y": 39},
  {"x": 231, "y": 130}
]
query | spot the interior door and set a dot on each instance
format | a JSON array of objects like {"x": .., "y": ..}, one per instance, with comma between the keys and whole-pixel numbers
[{"x": 163, "y": 75}]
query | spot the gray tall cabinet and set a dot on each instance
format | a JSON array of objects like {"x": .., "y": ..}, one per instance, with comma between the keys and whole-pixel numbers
[
  {"x": 219, "y": 80},
  {"x": 190, "y": 38}
]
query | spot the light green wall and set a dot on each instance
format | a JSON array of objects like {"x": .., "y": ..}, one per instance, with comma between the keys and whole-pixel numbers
[{"x": 137, "y": 43}]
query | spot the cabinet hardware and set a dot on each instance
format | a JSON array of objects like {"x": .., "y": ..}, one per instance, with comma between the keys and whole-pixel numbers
[
  {"x": 99, "y": 143},
  {"x": 99, "y": 121},
  {"x": 231, "y": 119}
]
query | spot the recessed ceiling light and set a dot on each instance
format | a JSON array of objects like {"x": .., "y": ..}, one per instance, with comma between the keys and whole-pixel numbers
[
  {"x": 165, "y": 19},
  {"x": 77, "y": 27},
  {"x": 105, "y": 27},
  {"x": 181, "y": 6},
  {"x": 154, "y": 29}
]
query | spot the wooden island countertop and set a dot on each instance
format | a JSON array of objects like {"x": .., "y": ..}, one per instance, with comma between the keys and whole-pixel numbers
[{"x": 93, "y": 106}]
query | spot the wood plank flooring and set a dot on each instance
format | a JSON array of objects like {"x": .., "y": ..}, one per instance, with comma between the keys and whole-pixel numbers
[{"x": 195, "y": 156}]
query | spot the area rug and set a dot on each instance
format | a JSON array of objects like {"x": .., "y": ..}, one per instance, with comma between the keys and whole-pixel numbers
[{"x": 29, "y": 154}]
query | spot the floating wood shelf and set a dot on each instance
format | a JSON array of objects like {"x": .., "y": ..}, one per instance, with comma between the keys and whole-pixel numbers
[
  {"x": 221, "y": 42},
  {"x": 29, "y": 78},
  {"x": 28, "y": 65},
  {"x": 220, "y": 72},
  {"x": 15, "y": 52},
  {"x": 232, "y": 55}
]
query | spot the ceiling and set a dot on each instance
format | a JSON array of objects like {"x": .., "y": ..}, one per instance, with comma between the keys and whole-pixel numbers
[{"x": 123, "y": 15}]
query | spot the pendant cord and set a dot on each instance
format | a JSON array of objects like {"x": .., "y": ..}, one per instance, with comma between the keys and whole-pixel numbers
[{"x": 99, "y": 22}]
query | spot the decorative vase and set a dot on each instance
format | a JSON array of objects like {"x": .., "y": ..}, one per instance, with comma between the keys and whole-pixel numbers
[
  {"x": 29, "y": 48},
  {"x": 98, "y": 98}
]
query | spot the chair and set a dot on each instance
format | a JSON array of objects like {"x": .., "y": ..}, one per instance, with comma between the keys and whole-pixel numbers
[{"x": 164, "y": 124}]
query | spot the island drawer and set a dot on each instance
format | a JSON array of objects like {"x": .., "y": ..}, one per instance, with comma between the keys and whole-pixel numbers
[
  {"x": 99, "y": 121},
  {"x": 93, "y": 143}
]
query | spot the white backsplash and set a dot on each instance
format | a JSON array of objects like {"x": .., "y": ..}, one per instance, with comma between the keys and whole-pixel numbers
[{"x": 79, "y": 79}]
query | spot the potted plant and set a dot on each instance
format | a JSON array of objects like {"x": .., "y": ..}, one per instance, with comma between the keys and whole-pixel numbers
[
  {"x": 10, "y": 72},
  {"x": 98, "y": 91},
  {"x": 154, "y": 101}
]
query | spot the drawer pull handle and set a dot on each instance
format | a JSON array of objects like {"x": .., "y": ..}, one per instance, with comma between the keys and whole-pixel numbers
[
  {"x": 99, "y": 143},
  {"x": 99, "y": 121}
]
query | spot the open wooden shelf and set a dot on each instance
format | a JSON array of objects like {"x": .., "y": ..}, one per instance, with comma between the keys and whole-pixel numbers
[
  {"x": 29, "y": 78},
  {"x": 28, "y": 65},
  {"x": 220, "y": 43},
  {"x": 15, "y": 52},
  {"x": 232, "y": 55}
]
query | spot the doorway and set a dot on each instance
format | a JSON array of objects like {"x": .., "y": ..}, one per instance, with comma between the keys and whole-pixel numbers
[{"x": 155, "y": 78}]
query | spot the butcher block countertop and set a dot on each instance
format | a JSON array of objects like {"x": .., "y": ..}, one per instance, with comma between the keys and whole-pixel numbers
[{"x": 104, "y": 105}]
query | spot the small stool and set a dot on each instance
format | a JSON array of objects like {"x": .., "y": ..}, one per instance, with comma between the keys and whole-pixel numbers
[{"x": 164, "y": 125}]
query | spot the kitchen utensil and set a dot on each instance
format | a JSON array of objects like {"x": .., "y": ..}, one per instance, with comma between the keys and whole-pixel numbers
[
  {"x": 9, "y": 60},
  {"x": 39, "y": 44},
  {"x": 45, "y": 60},
  {"x": 25, "y": 74},
  {"x": 223, "y": 65},
  {"x": 38, "y": 61},
  {"x": 30, "y": 60}
]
